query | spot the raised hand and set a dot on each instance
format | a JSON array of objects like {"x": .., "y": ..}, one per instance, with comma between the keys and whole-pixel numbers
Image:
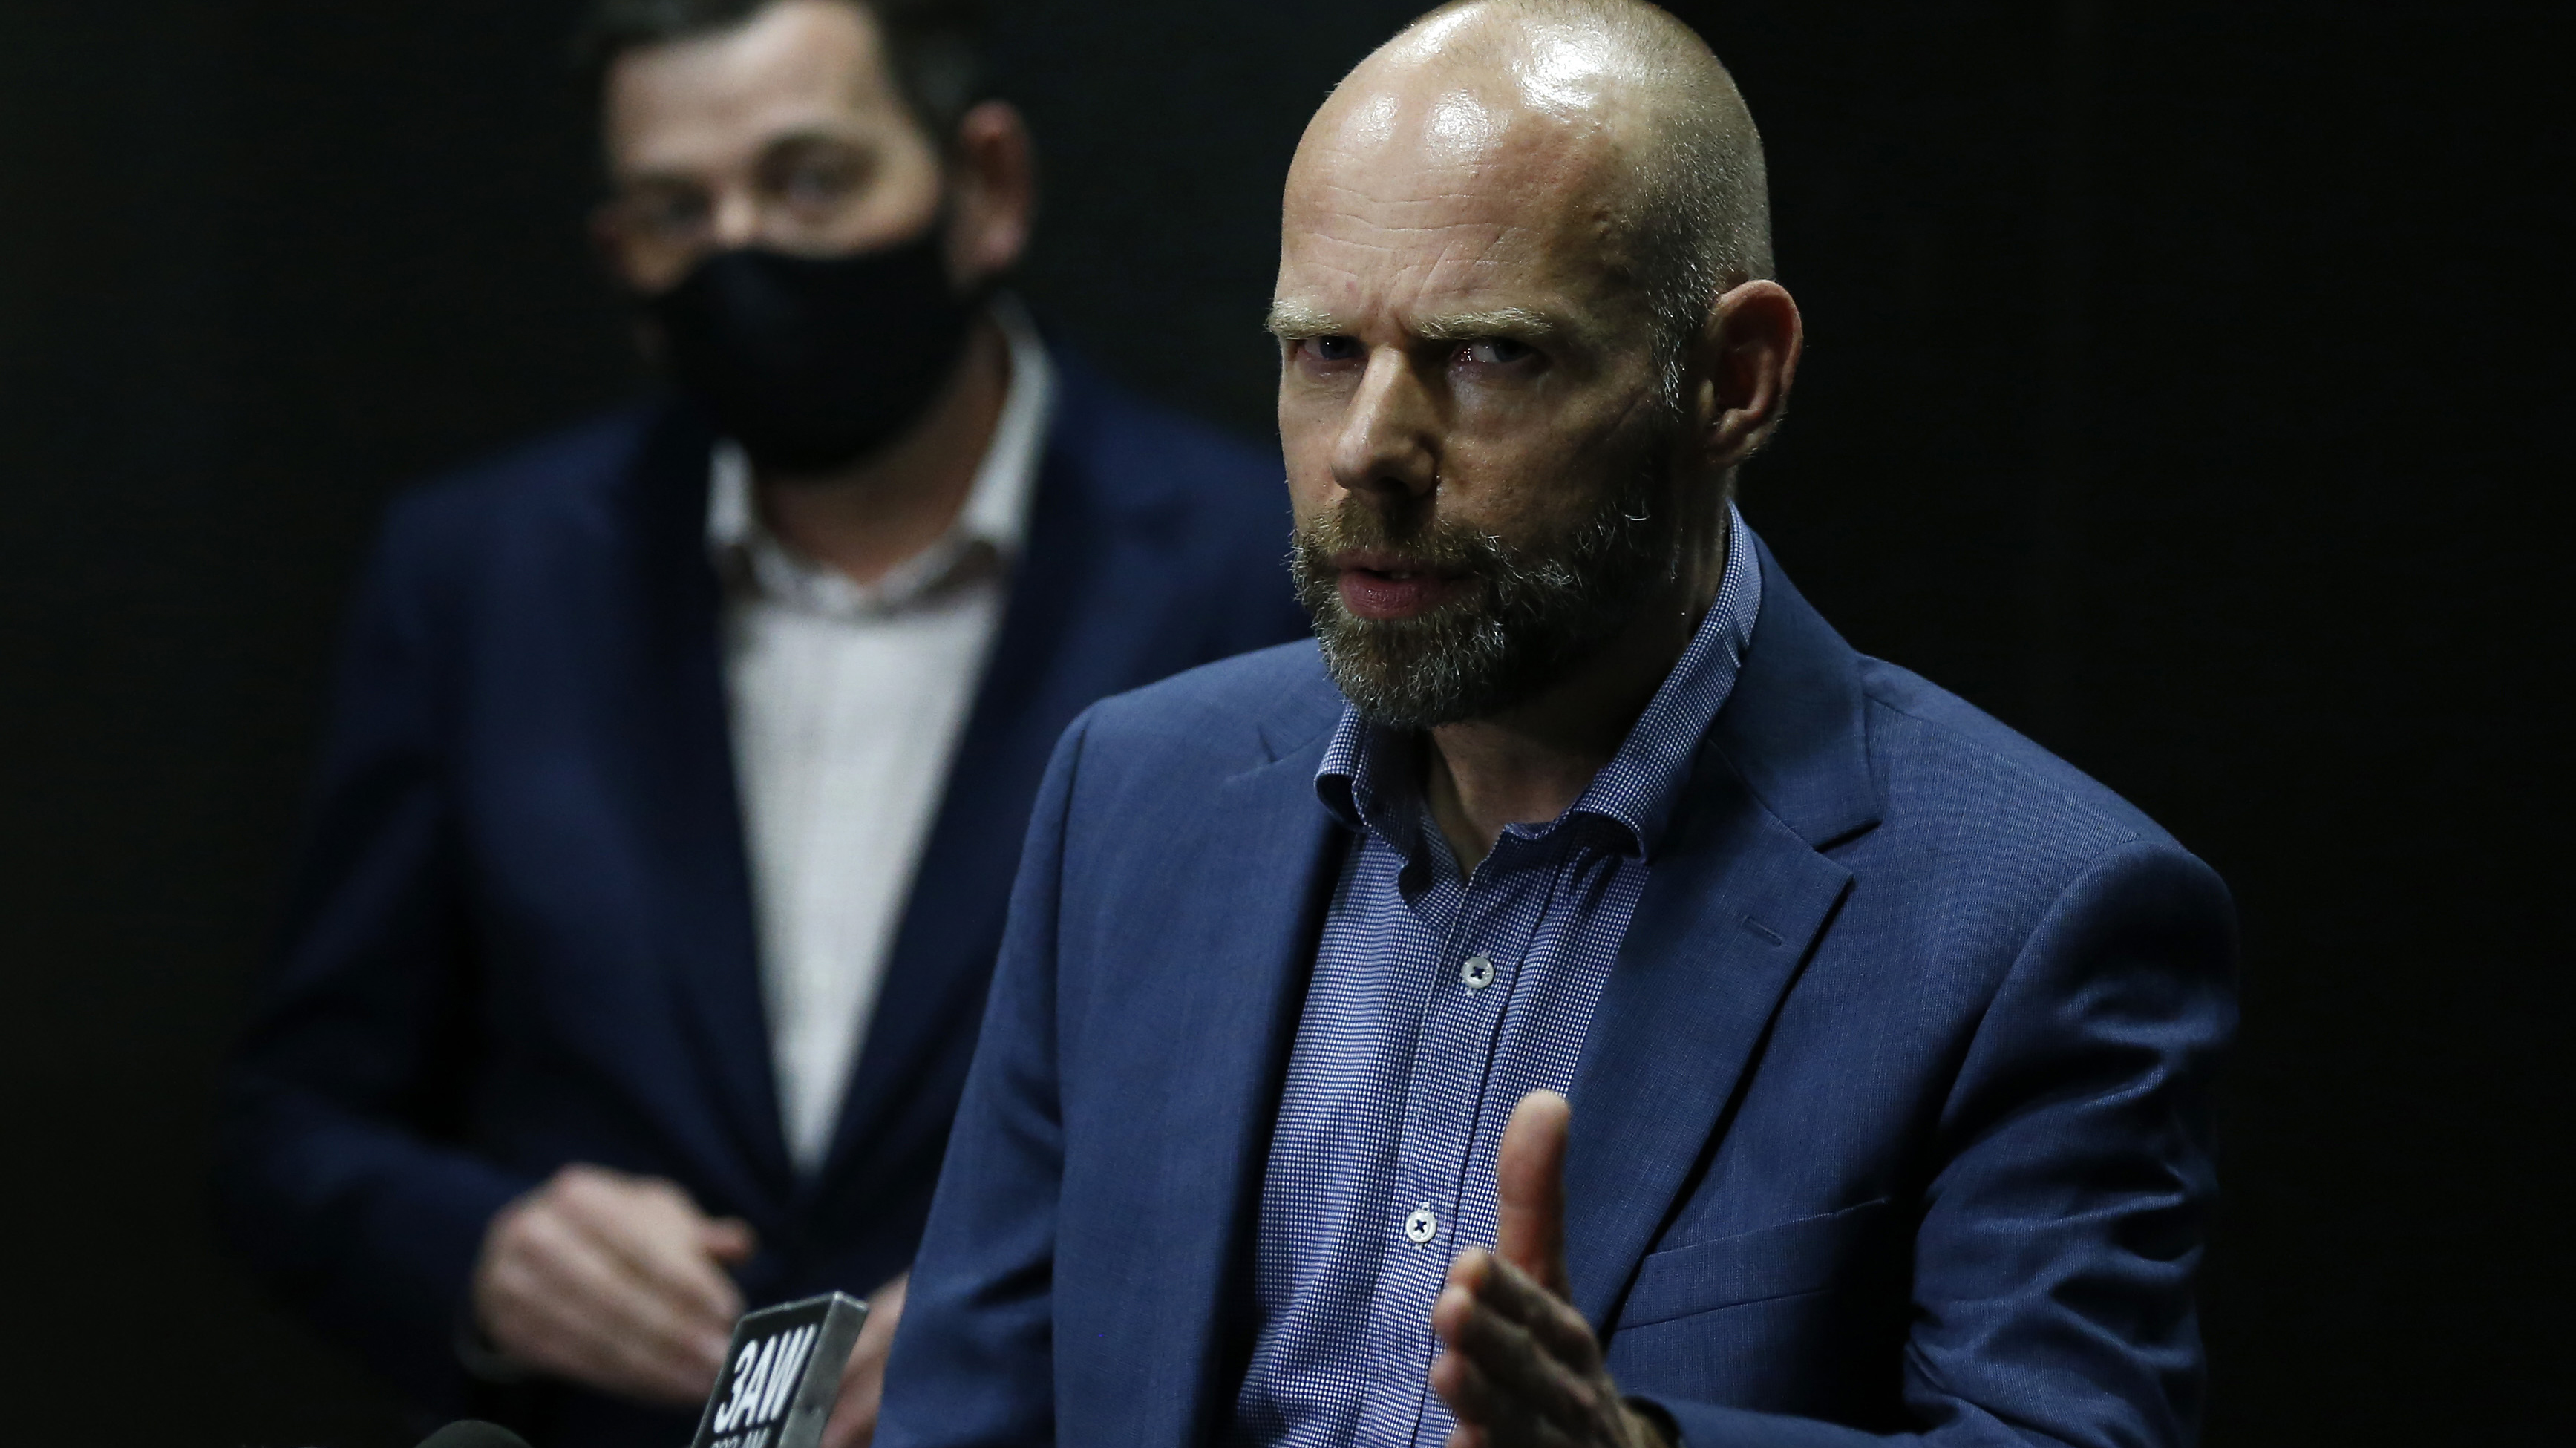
[
  {"x": 613, "y": 1281},
  {"x": 1523, "y": 1369}
]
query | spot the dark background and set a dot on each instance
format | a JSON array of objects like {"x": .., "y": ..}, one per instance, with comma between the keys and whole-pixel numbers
[{"x": 2185, "y": 387}]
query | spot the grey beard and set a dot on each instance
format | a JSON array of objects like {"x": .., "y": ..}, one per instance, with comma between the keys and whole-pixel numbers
[{"x": 1531, "y": 614}]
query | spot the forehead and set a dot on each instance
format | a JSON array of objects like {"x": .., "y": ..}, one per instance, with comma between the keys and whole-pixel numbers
[
  {"x": 800, "y": 65},
  {"x": 1450, "y": 197}
]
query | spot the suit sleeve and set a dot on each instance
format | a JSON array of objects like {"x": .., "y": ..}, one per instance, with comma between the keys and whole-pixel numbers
[
  {"x": 2073, "y": 1176},
  {"x": 330, "y": 1175},
  {"x": 973, "y": 1364}
]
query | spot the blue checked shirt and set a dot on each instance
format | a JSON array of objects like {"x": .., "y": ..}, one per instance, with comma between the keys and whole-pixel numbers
[{"x": 1437, "y": 1003}]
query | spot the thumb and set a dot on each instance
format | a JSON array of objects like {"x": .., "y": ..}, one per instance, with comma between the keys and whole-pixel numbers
[
  {"x": 729, "y": 1240},
  {"x": 1529, "y": 1181}
]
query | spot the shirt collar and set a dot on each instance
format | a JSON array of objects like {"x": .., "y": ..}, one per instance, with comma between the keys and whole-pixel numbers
[
  {"x": 992, "y": 525},
  {"x": 1366, "y": 778}
]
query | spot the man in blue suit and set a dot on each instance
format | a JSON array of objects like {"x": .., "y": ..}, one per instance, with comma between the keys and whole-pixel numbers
[
  {"x": 1585, "y": 1003},
  {"x": 680, "y": 761}
]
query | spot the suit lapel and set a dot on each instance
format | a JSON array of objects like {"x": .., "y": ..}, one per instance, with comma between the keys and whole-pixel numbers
[
  {"x": 687, "y": 810},
  {"x": 1081, "y": 624},
  {"x": 1236, "y": 931},
  {"x": 1737, "y": 896},
  {"x": 1726, "y": 918}
]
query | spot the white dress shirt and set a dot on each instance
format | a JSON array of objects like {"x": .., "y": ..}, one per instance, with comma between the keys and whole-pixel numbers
[{"x": 847, "y": 704}]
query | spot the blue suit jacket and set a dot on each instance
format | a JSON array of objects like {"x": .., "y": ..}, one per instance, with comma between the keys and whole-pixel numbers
[
  {"x": 1890, "y": 1121},
  {"x": 522, "y": 933}
]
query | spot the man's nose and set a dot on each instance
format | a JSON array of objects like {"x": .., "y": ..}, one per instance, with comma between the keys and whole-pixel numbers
[
  {"x": 1387, "y": 442},
  {"x": 739, "y": 217}
]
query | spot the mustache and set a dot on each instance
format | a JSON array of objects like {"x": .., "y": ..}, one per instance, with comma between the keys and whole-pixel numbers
[{"x": 1412, "y": 539}]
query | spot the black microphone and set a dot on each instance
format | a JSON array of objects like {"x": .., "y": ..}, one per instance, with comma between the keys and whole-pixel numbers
[
  {"x": 470, "y": 1434},
  {"x": 782, "y": 1375}
]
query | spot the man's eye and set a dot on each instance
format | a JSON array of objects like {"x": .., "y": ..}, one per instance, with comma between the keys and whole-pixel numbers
[
  {"x": 820, "y": 183},
  {"x": 668, "y": 211},
  {"x": 1333, "y": 349},
  {"x": 1494, "y": 352}
]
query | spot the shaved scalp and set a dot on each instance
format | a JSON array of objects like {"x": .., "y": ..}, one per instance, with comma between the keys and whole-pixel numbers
[{"x": 1696, "y": 212}]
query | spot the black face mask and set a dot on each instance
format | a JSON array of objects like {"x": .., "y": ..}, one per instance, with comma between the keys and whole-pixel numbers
[{"x": 812, "y": 363}]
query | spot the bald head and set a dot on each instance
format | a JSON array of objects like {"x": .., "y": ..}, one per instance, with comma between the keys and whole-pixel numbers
[
  {"x": 1525, "y": 340},
  {"x": 1611, "y": 111}
]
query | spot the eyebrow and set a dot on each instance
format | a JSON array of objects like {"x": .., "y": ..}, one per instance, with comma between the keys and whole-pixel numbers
[
  {"x": 1295, "y": 322},
  {"x": 1517, "y": 323}
]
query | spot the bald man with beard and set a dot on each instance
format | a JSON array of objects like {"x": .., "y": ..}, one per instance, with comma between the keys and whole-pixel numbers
[{"x": 1577, "y": 1000}]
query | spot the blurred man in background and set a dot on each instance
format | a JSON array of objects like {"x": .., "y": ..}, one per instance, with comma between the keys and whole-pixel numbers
[{"x": 680, "y": 760}]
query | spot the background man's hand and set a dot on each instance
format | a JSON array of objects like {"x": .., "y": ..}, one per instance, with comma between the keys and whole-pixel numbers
[
  {"x": 1522, "y": 1368},
  {"x": 854, "y": 1413},
  {"x": 613, "y": 1281}
]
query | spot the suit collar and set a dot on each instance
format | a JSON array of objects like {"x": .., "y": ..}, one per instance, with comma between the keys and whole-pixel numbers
[
  {"x": 1738, "y": 895},
  {"x": 1206, "y": 1146},
  {"x": 1302, "y": 719},
  {"x": 1794, "y": 729},
  {"x": 1082, "y": 623},
  {"x": 1729, "y": 916},
  {"x": 1065, "y": 641},
  {"x": 1727, "y": 919},
  {"x": 680, "y": 754}
]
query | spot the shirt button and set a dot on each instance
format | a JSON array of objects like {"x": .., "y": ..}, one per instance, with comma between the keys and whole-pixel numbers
[
  {"x": 1478, "y": 972},
  {"x": 1422, "y": 1226}
]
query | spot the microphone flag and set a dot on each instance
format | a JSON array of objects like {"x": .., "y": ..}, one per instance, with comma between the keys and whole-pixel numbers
[{"x": 782, "y": 1374}]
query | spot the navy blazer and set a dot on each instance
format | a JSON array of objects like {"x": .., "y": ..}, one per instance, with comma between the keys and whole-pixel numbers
[
  {"x": 522, "y": 935},
  {"x": 1891, "y": 1120}
]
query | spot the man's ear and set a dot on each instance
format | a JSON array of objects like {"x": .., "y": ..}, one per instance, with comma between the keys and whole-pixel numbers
[
  {"x": 994, "y": 191},
  {"x": 1752, "y": 346}
]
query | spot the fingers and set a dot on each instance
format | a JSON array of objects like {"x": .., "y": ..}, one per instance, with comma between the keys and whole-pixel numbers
[
  {"x": 1529, "y": 1180},
  {"x": 729, "y": 1240},
  {"x": 645, "y": 1267},
  {"x": 885, "y": 1310},
  {"x": 565, "y": 1305},
  {"x": 658, "y": 1236},
  {"x": 611, "y": 1281},
  {"x": 1510, "y": 1293},
  {"x": 1508, "y": 1360},
  {"x": 1522, "y": 1368},
  {"x": 854, "y": 1412},
  {"x": 1492, "y": 1417},
  {"x": 638, "y": 1316}
]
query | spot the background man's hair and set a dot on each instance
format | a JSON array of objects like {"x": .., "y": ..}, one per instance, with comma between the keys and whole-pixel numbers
[
  {"x": 935, "y": 47},
  {"x": 1701, "y": 222}
]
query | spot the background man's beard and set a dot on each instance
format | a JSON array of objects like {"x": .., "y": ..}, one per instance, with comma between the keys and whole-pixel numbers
[{"x": 1527, "y": 614}]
